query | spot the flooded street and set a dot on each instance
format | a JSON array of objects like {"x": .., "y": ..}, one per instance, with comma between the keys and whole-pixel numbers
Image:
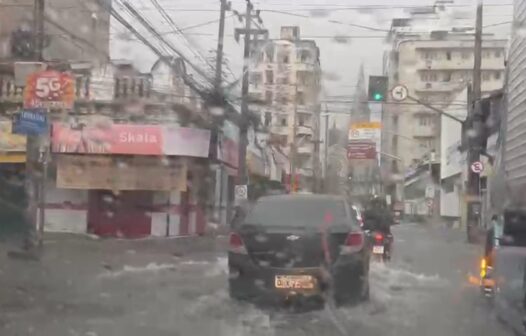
[{"x": 163, "y": 292}]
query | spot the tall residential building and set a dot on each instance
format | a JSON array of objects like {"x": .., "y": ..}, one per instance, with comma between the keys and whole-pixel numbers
[
  {"x": 77, "y": 30},
  {"x": 513, "y": 157},
  {"x": 435, "y": 64},
  {"x": 285, "y": 78}
]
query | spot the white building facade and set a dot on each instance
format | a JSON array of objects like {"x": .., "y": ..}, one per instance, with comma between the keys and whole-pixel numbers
[{"x": 285, "y": 84}]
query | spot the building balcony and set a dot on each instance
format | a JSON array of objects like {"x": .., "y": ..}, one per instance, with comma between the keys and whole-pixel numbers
[
  {"x": 438, "y": 86},
  {"x": 278, "y": 129},
  {"x": 305, "y": 149},
  {"x": 424, "y": 131},
  {"x": 304, "y": 130},
  {"x": 459, "y": 64}
]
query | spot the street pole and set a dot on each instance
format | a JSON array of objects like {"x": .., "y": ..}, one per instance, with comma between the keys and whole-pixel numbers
[
  {"x": 220, "y": 42},
  {"x": 316, "y": 156},
  {"x": 32, "y": 183},
  {"x": 474, "y": 134},
  {"x": 243, "y": 141},
  {"x": 293, "y": 181},
  {"x": 326, "y": 158},
  {"x": 217, "y": 83}
]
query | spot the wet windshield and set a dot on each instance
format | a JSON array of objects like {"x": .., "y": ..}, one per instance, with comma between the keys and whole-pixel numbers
[{"x": 262, "y": 167}]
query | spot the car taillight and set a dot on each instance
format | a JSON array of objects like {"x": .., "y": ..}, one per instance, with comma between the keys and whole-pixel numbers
[
  {"x": 353, "y": 243},
  {"x": 236, "y": 244},
  {"x": 379, "y": 237}
]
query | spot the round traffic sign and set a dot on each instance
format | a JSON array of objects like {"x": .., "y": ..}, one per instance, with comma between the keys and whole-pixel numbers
[
  {"x": 399, "y": 93},
  {"x": 477, "y": 167},
  {"x": 241, "y": 192}
]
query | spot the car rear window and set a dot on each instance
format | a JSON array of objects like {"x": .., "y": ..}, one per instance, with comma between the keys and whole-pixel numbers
[{"x": 302, "y": 212}]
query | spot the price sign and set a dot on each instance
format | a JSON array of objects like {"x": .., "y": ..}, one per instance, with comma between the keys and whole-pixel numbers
[{"x": 49, "y": 89}]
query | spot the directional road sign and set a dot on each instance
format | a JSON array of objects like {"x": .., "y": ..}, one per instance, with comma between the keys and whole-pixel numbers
[{"x": 399, "y": 93}]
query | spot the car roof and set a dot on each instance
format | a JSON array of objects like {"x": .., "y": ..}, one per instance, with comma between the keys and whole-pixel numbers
[{"x": 302, "y": 196}]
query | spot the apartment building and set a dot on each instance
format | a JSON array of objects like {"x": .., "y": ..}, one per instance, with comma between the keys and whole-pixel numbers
[
  {"x": 435, "y": 65},
  {"x": 285, "y": 83},
  {"x": 74, "y": 30}
]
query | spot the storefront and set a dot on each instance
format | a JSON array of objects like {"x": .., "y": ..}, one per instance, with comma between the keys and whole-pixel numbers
[
  {"x": 127, "y": 180},
  {"x": 12, "y": 175}
]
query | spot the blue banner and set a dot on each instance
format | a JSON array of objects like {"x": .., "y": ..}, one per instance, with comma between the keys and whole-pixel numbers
[{"x": 31, "y": 122}]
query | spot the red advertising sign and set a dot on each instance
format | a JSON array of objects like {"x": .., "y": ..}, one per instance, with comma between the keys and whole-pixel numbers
[
  {"x": 108, "y": 138},
  {"x": 228, "y": 145},
  {"x": 49, "y": 89},
  {"x": 361, "y": 150}
]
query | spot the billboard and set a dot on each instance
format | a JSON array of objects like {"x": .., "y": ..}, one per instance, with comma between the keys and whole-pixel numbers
[
  {"x": 104, "y": 172},
  {"x": 365, "y": 130},
  {"x": 49, "y": 89},
  {"x": 228, "y": 144},
  {"x": 361, "y": 150},
  {"x": 105, "y": 137}
]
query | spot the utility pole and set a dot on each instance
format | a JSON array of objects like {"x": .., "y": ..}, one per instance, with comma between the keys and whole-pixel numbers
[
  {"x": 243, "y": 141},
  {"x": 292, "y": 155},
  {"x": 33, "y": 183},
  {"x": 220, "y": 39},
  {"x": 218, "y": 91},
  {"x": 326, "y": 145},
  {"x": 474, "y": 135},
  {"x": 316, "y": 157}
]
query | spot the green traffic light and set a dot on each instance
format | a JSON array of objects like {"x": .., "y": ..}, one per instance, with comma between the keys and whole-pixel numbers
[{"x": 378, "y": 96}]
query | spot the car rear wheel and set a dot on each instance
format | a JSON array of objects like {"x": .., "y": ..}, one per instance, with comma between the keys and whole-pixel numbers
[{"x": 357, "y": 291}]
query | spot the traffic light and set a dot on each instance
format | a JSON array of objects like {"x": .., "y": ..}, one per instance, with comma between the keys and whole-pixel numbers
[{"x": 377, "y": 88}]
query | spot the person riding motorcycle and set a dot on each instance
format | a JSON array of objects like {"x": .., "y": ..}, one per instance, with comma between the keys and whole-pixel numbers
[{"x": 378, "y": 218}]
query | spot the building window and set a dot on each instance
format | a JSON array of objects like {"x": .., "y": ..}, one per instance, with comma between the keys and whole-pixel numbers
[
  {"x": 268, "y": 96},
  {"x": 498, "y": 53},
  {"x": 425, "y": 121},
  {"x": 465, "y": 55},
  {"x": 428, "y": 55},
  {"x": 497, "y": 75},
  {"x": 304, "y": 56},
  {"x": 269, "y": 51},
  {"x": 269, "y": 74},
  {"x": 283, "y": 121},
  {"x": 301, "y": 120},
  {"x": 486, "y": 54},
  {"x": 283, "y": 80},
  {"x": 268, "y": 118},
  {"x": 428, "y": 76},
  {"x": 447, "y": 77},
  {"x": 486, "y": 76},
  {"x": 255, "y": 79},
  {"x": 448, "y": 55},
  {"x": 300, "y": 98}
]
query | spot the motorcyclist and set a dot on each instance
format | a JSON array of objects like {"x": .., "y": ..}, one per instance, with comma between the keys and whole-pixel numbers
[{"x": 378, "y": 218}]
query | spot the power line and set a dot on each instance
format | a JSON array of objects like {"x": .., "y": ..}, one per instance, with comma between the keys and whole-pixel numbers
[
  {"x": 330, "y": 20},
  {"x": 176, "y": 28}
]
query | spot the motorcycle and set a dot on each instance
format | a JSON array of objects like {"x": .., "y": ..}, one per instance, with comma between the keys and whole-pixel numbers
[{"x": 381, "y": 246}]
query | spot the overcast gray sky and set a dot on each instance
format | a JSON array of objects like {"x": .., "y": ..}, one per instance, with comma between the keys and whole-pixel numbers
[{"x": 325, "y": 19}]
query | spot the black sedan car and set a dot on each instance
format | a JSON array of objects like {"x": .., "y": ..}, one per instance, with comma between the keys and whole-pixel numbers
[{"x": 288, "y": 247}]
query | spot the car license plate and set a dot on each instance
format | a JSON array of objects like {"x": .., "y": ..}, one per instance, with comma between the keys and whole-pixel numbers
[
  {"x": 294, "y": 281},
  {"x": 378, "y": 249}
]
